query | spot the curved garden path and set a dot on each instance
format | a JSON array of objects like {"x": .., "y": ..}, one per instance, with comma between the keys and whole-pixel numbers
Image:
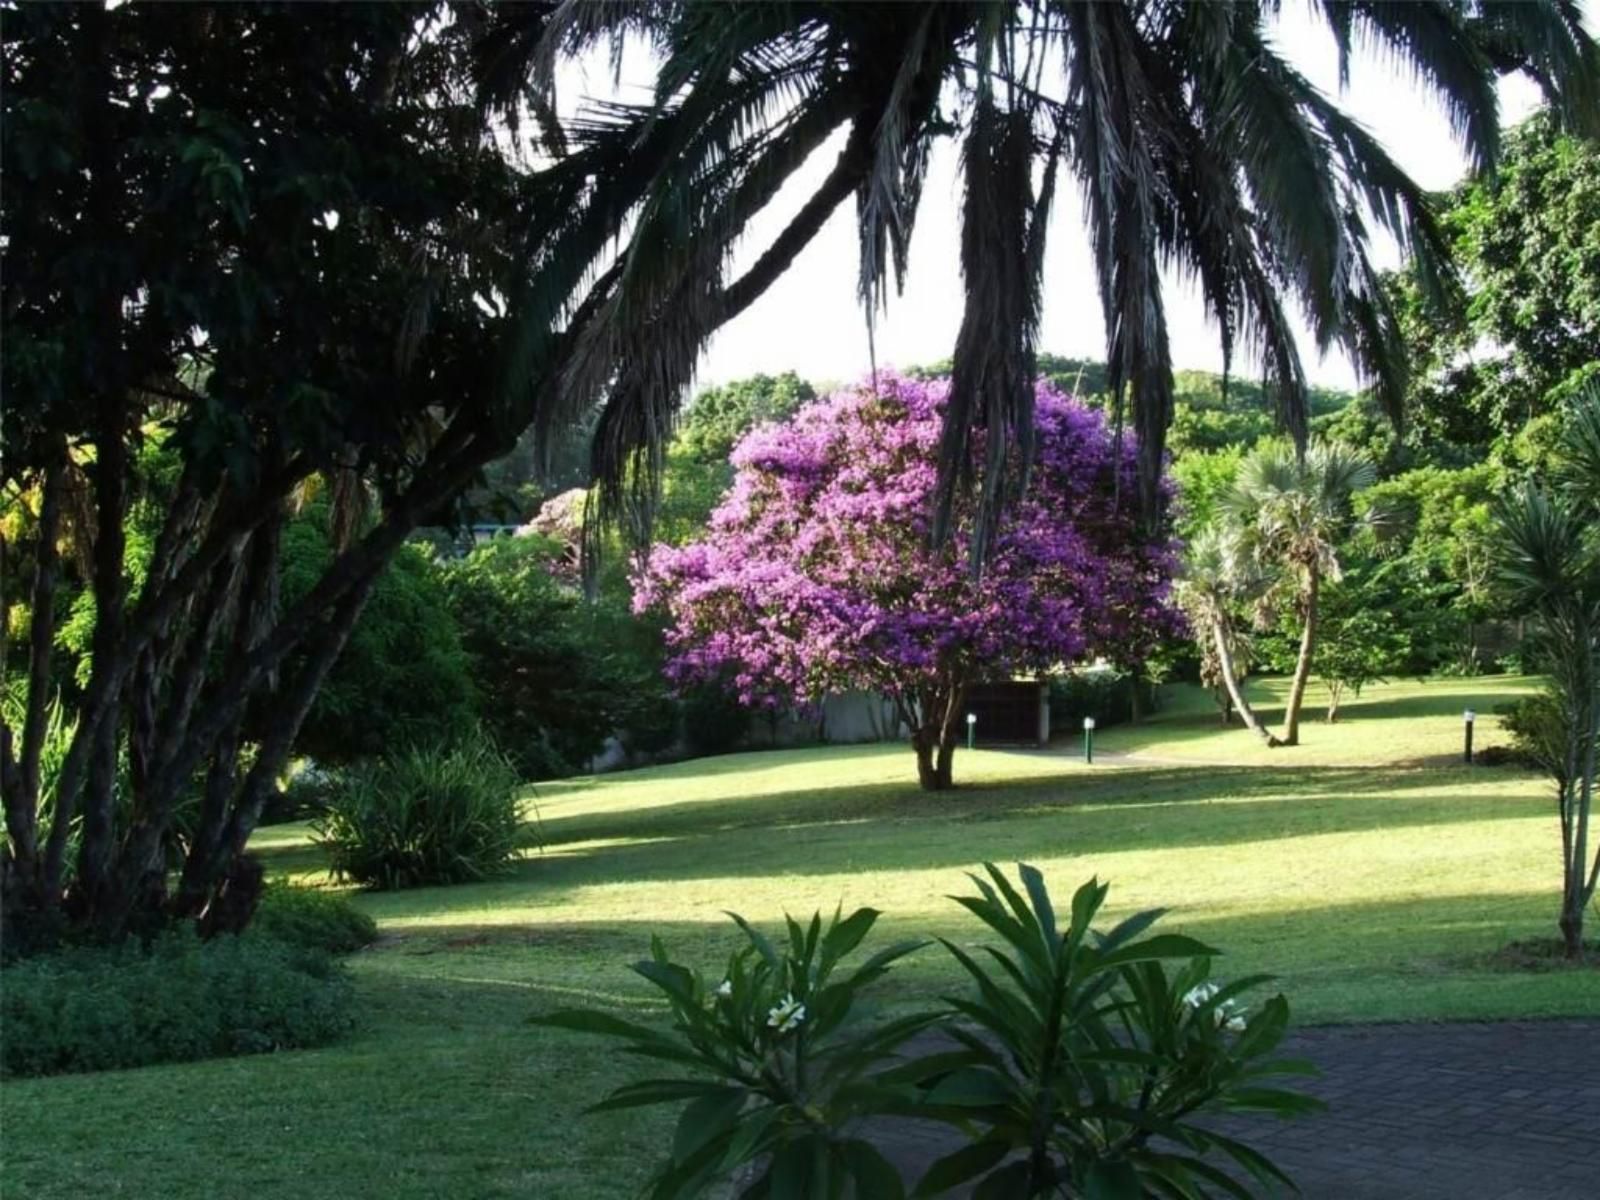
[{"x": 1504, "y": 1110}]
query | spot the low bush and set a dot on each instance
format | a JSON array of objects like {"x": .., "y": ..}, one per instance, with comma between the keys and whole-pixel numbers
[
  {"x": 314, "y": 919},
  {"x": 1538, "y": 732},
  {"x": 100, "y": 1008},
  {"x": 556, "y": 675},
  {"x": 429, "y": 815}
]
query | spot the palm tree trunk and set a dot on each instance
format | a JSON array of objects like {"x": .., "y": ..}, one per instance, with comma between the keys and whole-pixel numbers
[
  {"x": 1231, "y": 682},
  {"x": 1302, "y": 666}
]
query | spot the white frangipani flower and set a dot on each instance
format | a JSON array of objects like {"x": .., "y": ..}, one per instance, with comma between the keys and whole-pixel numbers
[
  {"x": 723, "y": 989},
  {"x": 1199, "y": 994},
  {"x": 1228, "y": 1015},
  {"x": 787, "y": 1014}
]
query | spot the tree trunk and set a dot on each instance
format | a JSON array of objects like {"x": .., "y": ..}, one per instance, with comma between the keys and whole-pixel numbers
[
  {"x": 1302, "y": 666},
  {"x": 925, "y": 741},
  {"x": 934, "y": 738},
  {"x": 1571, "y": 925},
  {"x": 1229, "y": 680},
  {"x": 1335, "y": 695},
  {"x": 1135, "y": 706}
]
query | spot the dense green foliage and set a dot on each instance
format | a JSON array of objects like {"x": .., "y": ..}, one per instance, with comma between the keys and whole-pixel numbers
[
  {"x": 97, "y": 1008},
  {"x": 1110, "y": 696},
  {"x": 720, "y": 416},
  {"x": 1526, "y": 332},
  {"x": 555, "y": 674},
  {"x": 263, "y": 239},
  {"x": 313, "y": 918},
  {"x": 403, "y": 675},
  {"x": 424, "y": 815}
]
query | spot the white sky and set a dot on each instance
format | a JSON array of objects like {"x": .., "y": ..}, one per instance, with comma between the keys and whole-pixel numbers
[{"x": 810, "y": 322}]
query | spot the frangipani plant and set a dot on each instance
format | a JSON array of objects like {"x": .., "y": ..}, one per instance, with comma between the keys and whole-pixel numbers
[
  {"x": 781, "y": 1070},
  {"x": 1083, "y": 1057}
]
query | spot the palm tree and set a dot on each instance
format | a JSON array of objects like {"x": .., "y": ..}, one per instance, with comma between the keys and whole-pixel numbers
[
  {"x": 1196, "y": 145},
  {"x": 1217, "y": 579},
  {"x": 1293, "y": 512},
  {"x": 1552, "y": 570}
]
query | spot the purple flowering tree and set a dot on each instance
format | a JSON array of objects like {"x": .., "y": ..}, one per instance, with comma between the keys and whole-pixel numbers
[{"x": 816, "y": 574}]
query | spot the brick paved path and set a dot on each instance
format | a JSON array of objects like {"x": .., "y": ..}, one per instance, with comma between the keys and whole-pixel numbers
[{"x": 1502, "y": 1111}]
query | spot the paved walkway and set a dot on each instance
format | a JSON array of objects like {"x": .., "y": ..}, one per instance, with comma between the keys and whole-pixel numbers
[{"x": 1502, "y": 1111}]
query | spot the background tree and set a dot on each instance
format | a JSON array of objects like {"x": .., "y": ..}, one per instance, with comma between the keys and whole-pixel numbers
[
  {"x": 1293, "y": 513},
  {"x": 817, "y": 574},
  {"x": 1219, "y": 580},
  {"x": 555, "y": 675},
  {"x": 1523, "y": 333},
  {"x": 718, "y": 417},
  {"x": 1552, "y": 568},
  {"x": 291, "y": 240}
]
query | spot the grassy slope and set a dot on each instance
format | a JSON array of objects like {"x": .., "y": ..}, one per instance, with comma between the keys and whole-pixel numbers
[{"x": 1366, "y": 868}]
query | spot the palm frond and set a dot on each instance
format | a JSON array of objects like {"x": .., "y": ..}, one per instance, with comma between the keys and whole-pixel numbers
[{"x": 1548, "y": 40}]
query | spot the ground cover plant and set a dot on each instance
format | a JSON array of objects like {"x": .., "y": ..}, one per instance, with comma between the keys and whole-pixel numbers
[
  {"x": 1377, "y": 877},
  {"x": 96, "y": 1008}
]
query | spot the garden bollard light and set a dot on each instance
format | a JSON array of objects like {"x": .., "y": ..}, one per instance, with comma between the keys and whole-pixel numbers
[
  {"x": 972, "y": 728},
  {"x": 1088, "y": 739},
  {"x": 1469, "y": 717}
]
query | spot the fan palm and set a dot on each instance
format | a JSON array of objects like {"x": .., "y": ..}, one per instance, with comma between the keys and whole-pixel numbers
[
  {"x": 1551, "y": 568},
  {"x": 1197, "y": 145},
  {"x": 1293, "y": 512},
  {"x": 1217, "y": 579}
]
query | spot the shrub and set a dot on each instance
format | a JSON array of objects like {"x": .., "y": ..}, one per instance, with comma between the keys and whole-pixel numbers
[
  {"x": 556, "y": 675},
  {"x": 1067, "y": 1061},
  {"x": 1537, "y": 727},
  {"x": 430, "y": 815},
  {"x": 100, "y": 1008},
  {"x": 315, "y": 919},
  {"x": 782, "y": 1065}
]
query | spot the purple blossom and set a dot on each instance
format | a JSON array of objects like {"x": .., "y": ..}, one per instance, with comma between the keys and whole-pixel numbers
[{"x": 815, "y": 574}]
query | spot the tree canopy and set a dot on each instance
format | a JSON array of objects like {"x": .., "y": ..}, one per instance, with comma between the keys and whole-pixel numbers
[{"x": 817, "y": 573}]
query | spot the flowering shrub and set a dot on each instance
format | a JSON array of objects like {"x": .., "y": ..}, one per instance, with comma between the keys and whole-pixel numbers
[
  {"x": 817, "y": 575},
  {"x": 1084, "y": 1048},
  {"x": 1062, "y": 1069},
  {"x": 781, "y": 1068}
]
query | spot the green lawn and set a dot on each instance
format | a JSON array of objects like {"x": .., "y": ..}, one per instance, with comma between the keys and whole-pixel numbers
[{"x": 1367, "y": 868}]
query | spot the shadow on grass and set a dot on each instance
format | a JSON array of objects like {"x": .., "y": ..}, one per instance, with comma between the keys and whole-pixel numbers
[
  {"x": 1344, "y": 961},
  {"x": 889, "y": 828}
]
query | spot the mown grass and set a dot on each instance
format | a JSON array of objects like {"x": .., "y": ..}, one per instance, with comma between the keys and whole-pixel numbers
[{"x": 1367, "y": 868}]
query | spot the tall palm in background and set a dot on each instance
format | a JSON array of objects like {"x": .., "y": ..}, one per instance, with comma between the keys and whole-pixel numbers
[
  {"x": 1196, "y": 144},
  {"x": 1218, "y": 579},
  {"x": 1293, "y": 512}
]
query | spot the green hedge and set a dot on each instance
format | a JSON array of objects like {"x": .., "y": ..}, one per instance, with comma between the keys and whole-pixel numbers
[{"x": 100, "y": 1008}]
